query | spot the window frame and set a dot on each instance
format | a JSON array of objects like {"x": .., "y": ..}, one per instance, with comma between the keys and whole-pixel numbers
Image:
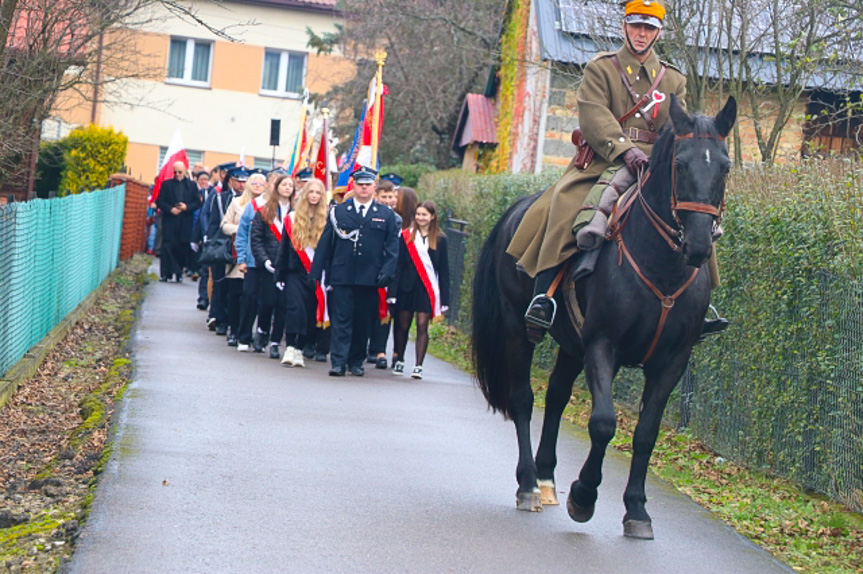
[
  {"x": 284, "y": 57},
  {"x": 187, "y": 80}
]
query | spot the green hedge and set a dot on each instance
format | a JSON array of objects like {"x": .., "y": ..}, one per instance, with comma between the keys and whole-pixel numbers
[
  {"x": 783, "y": 390},
  {"x": 410, "y": 172}
]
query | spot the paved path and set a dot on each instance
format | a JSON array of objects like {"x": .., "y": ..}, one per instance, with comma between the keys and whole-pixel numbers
[{"x": 228, "y": 462}]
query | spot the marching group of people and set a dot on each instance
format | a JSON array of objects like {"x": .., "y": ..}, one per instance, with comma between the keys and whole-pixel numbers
[{"x": 322, "y": 278}]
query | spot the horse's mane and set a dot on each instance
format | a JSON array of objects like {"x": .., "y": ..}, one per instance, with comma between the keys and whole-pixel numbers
[{"x": 701, "y": 126}]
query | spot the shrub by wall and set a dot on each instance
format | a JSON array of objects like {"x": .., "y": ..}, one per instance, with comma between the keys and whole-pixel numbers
[
  {"x": 410, "y": 172},
  {"x": 91, "y": 155},
  {"x": 783, "y": 389}
]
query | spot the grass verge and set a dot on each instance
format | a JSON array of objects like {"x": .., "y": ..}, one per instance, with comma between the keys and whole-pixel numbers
[
  {"x": 54, "y": 429},
  {"x": 807, "y": 531}
]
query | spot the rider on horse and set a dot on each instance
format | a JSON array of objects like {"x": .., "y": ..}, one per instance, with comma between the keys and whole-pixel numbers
[{"x": 623, "y": 102}]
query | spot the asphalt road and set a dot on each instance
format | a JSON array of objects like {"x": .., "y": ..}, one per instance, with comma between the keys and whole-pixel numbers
[{"x": 229, "y": 462}]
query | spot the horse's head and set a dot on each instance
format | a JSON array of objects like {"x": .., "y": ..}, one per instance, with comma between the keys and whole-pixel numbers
[{"x": 699, "y": 164}]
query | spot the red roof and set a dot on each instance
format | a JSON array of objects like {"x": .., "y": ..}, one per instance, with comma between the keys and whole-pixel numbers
[{"x": 476, "y": 122}]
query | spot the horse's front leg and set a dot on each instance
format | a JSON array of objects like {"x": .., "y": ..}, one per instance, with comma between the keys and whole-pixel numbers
[
  {"x": 660, "y": 377},
  {"x": 566, "y": 369},
  {"x": 600, "y": 368}
]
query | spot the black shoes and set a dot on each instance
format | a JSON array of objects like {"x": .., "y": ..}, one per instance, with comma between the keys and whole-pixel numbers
[
  {"x": 539, "y": 317},
  {"x": 309, "y": 352},
  {"x": 163, "y": 279},
  {"x": 274, "y": 351},
  {"x": 358, "y": 371},
  {"x": 203, "y": 304},
  {"x": 232, "y": 341},
  {"x": 222, "y": 329},
  {"x": 381, "y": 363},
  {"x": 337, "y": 371},
  {"x": 320, "y": 357},
  {"x": 371, "y": 359},
  {"x": 211, "y": 324},
  {"x": 713, "y": 326},
  {"x": 260, "y": 341}
]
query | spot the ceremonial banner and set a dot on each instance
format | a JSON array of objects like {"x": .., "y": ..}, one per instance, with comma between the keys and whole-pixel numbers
[{"x": 176, "y": 152}]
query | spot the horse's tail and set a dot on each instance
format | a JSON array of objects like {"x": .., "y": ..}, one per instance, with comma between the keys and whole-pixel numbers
[{"x": 488, "y": 336}]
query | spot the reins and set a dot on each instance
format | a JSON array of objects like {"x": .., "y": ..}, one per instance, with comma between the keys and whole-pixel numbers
[{"x": 671, "y": 236}]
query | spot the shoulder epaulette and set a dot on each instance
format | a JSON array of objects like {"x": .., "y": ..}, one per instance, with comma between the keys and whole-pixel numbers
[
  {"x": 602, "y": 55},
  {"x": 670, "y": 66}
]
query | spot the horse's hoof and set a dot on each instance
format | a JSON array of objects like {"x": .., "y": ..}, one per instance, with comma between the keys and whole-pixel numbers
[
  {"x": 577, "y": 512},
  {"x": 547, "y": 492},
  {"x": 640, "y": 529},
  {"x": 529, "y": 501}
]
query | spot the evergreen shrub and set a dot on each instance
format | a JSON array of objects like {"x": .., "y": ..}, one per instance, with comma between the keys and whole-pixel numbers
[{"x": 91, "y": 155}]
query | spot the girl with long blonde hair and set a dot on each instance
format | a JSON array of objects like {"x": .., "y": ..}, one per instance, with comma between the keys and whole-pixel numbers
[{"x": 304, "y": 298}]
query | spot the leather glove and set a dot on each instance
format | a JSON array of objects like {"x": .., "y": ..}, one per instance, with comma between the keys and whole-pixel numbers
[
  {"x": 280, "y": 285},
  {"x": 383, "y": 280},
  {"x": 269, "y": 266},
  {"x": 635, "y": 160}
]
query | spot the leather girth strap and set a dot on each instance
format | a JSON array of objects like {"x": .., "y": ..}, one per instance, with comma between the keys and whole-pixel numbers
[{"x": 557, "y": 279}]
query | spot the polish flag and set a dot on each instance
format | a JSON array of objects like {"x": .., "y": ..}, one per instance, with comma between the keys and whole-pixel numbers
[{"x": 176, "y": 152}]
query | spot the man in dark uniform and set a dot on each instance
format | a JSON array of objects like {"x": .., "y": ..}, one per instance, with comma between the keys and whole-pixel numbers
[
  {"x": 218, "y": 319},
  {"x": 178, "y": 199},
  {"x": 359, "y": 250}
]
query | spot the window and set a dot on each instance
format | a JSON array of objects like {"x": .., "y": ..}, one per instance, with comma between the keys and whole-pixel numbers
[
  {"x": 189, "y": 61},
  {"x": 194, "y": 156},
  {"x": 263, "y": 163},
  {"x": 284, "y": 73}
]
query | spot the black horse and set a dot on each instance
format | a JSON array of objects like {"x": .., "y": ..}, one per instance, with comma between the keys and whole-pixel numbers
[{"x": 643, "y": 305}]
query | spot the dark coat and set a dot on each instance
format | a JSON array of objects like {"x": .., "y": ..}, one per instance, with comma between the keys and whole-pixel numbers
[
  {"x": 178, "y": 228},
  {"x": 407, "y": 279},
  {"x": 215, "y": 223},
  {"x": 374, "y": 254},
  {"x": 300, "y": 299},
  {"x": 265, "y": 246}
]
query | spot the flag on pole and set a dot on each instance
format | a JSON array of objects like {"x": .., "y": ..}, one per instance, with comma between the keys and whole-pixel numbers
[
  {"x": 176, "y": 152},
  {"x": 321, "y": 167},
  {"x": 362, "y": 148},
  {"x": 293, "y": 165}
]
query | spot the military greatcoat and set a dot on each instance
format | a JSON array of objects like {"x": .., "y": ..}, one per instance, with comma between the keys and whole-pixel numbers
[{"x": 544, "y": 238}]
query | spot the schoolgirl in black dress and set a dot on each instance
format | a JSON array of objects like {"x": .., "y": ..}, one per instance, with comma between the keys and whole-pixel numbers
[
  {"x": 421, "y": 284},
  {"x": 304, "y": 297},
  {"x": 268, "y": 227}
]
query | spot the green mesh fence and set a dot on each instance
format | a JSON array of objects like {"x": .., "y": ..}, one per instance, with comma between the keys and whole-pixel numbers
[{"x": 53, "y": 253}]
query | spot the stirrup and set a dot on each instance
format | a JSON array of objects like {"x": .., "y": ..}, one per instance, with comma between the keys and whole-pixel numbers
[{"x": 531, "y": 320}]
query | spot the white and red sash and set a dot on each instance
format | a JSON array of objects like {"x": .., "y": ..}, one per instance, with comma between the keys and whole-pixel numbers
[
  {"x": 419, "y": 254},
  {"x": 307, "y": 255},
  {"x": 277, "y": 225}
]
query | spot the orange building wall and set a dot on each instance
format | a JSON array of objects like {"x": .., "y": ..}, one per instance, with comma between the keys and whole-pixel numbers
[{"x": 237, "y": 67}]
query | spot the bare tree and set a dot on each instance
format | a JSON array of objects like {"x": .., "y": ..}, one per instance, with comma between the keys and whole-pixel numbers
[{"x": 438, "y": 52}]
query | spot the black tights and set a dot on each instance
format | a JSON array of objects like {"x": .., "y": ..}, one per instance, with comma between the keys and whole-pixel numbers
[{"x": 400, "y": 336}]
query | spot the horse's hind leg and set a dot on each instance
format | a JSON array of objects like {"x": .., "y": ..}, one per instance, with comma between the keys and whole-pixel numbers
[
  {"x": 599, "y": 370},
  {"x": 566, "y": 369},
  {"x": 519, "y": 358},
  {"x": 658, "y": 384}
]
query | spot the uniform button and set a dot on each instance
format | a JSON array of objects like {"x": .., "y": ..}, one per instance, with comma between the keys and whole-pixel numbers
[
  {"x": 636, "y": 78},
  {"x": 621, "y": 139},
  {"x": 610, "y": 144},
  {"x": 637, "y": 114}
]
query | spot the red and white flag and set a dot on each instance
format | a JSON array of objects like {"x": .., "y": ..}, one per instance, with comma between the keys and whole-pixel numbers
[{"x": 176, "y": 152}]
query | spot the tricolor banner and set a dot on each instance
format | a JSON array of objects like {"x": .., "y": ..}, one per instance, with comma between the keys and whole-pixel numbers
[{"x": 176, "y": 152}]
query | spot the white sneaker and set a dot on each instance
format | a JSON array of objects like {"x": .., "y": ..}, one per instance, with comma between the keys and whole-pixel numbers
[
  {"x": 290, "y": 357},
  {"x": 298, "y": 358},
  {"x": 243, "y": 348},
  {"x": 399, "y": 368},
  {"x": 418, "y": 372}
]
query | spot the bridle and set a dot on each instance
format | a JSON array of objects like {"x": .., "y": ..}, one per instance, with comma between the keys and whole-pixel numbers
[{"x": 673, "y": 237}]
